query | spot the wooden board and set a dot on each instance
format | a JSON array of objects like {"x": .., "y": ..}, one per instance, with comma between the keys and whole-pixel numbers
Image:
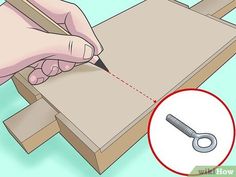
[{"x": 152, "y": 49}]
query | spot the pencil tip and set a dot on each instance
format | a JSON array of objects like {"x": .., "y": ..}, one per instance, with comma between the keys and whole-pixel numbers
[{"x": 100, "y": 64}]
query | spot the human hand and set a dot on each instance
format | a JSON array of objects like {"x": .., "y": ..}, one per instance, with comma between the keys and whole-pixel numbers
[{"x": 24, "y": 43}]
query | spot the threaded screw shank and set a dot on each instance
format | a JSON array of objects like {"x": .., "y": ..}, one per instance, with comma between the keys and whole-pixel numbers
[{"x": 180, "y": 126}]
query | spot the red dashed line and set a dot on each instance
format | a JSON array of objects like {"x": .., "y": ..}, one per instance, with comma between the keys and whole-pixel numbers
[{"x": 132, "y": 87}]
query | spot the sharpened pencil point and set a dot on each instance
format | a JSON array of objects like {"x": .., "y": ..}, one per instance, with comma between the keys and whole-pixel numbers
[{"x": 101, "y": 65}]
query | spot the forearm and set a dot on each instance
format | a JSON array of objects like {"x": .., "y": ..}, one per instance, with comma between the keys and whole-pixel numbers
[
  {"x": 4, "y": 70},
  {"x": 4, "y": 79}
]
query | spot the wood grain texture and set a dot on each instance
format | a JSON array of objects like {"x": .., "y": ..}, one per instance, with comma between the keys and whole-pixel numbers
[{"x": 152, "y": 49}]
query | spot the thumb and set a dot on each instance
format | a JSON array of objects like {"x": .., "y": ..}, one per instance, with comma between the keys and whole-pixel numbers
[{"x": 67, "y": 48}]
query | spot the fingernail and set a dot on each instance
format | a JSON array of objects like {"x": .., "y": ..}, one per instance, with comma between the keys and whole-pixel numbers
[
  {"x": 88, "y": 52},
  {"x": 54, "y": 71},
  {"x": 35, "y": 81},
  {"x": 40, "y": 80},
  {"x": 66, "y": 66}
]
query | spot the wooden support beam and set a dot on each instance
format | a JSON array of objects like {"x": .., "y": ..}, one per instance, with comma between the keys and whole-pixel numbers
[
  {"x": 226, "y": 9},
  {"x": 216, "y": 8},
  {"x": 34, "y": 125}
]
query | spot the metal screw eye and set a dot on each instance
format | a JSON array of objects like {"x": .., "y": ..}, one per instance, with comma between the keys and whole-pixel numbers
[{"x": 192, "y": 134}]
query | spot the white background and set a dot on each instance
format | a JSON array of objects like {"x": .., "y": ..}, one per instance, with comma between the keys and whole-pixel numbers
[{"x": 203, "y": 113}]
